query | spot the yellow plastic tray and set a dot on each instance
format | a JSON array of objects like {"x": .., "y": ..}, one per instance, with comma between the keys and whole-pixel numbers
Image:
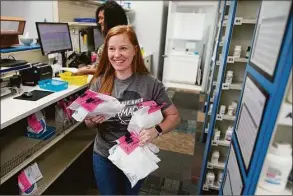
[{"x": 74, "y": 80}]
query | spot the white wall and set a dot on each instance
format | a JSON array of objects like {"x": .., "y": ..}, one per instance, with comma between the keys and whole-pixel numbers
[
  {"x": 148, "y": 26},
  {"x": 211, "y": 21},
  {"x": 31, "y": 11}
]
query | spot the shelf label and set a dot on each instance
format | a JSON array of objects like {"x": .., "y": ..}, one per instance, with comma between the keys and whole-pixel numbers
[
  {"x": 225, "y": 23},
  {"x": 238, "y": 21},
  {"x": 214, "y": 83},
  {"x": 225, "y": 86},
  {"x": 205, "y": 187},
  {"x": 230, "y": 59},
  {"x": 219, "y": 117}
]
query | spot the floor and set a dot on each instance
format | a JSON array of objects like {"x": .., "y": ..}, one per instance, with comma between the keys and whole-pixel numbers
[{"x": 178, "y": 177}]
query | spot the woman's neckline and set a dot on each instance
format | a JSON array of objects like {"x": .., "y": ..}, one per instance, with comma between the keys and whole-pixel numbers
[{"x": 124, "y": 80}]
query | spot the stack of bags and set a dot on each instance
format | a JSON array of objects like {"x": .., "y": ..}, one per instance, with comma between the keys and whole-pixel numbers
[
  {"x": 137, "y": 162},
  {"x": 28, "y": 178}
]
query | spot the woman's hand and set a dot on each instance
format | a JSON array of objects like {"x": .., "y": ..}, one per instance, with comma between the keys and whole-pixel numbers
[
  {"x": 93, "y": 121},
  {"x": 82, "y": 71},
  {"x": 147, "y": 136},
  {"x": 87, "y": 70}
]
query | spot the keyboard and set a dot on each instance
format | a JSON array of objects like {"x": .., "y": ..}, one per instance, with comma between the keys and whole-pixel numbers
[{"x": 11, "y": 62}]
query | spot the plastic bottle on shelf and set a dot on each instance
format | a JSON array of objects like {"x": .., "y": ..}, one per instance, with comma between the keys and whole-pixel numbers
[
  {"x": 222, "y": 110},
  {"x": 210, "y": 178},
  {"x": 276, "y": 168},
  {"x": 247, "y": 52},
  {"x": 217, "y": 135},
  {"x": 237, "y": 52},
  {"x": 215, "y": 157},
  {"x": 232, "y": 108},
  {"x": 229, "y": 133},
  {"x": 211, "y": 108},
  {"x": 229, "y": 77}
]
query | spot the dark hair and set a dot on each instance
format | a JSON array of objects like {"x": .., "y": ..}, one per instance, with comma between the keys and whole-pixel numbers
[{"x": 114, "y": 15}]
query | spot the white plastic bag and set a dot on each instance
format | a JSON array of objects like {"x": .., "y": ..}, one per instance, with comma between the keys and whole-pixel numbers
[
  {"x": 148, "y": 115},
  {"x": 137, "y": 165},
  {"x": 92, "y": 104},
  {"x": 138, "y": 162}
]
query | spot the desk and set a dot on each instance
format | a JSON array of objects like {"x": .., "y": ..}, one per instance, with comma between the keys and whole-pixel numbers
[{"x": 13, "y": 110}]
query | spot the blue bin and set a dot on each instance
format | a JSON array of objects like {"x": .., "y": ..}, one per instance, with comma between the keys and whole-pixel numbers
[
  {"x": 90, "y": 20},
  {"x": 43, "y": 136},
  {"x": 53, "y": 85}
]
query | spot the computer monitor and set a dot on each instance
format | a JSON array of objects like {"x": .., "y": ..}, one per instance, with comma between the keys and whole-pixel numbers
[{"x": 54, "y": 38}]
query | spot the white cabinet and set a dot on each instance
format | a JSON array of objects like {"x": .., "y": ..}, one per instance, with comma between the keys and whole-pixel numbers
[
  {"x": 186, "y": 39},
  {"x": 181, "y": 68}
]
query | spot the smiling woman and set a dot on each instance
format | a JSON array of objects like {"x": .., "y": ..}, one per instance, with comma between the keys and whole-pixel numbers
[
  {"x": 121, "y": 53},
  {"x": 123, "y": 75}
]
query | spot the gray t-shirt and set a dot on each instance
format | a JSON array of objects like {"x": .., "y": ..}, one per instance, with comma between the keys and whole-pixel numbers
[{"x": 131, "y": 91}]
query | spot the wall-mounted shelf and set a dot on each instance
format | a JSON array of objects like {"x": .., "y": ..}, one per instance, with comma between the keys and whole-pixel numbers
[
  {"x": 221, "y": 143},
  {"x": 211, "y": 186},
  {"x": 13, "y": 150},
  {"x": 222, "y": 93},
  {"x": 216, "y": 166},
  {"x": 87, "y": 24},
  {"x": 233, "y": 86},
  {"x": 241, "y": 21},
  {"x": 62, "y": 156}
]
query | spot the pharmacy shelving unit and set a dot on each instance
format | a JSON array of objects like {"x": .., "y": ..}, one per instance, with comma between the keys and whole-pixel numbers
[
  {"x": 53, "y": 155},
  {"x": 282, "y": 133},
  {"x": 223, "y": 8},
  {"x": 238, "y": 24},
  {"x": 264, "y": 112}
]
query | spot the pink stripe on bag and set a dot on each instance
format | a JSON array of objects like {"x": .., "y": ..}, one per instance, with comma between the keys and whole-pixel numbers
[
  {"x": 34, "y": 123},
  {"x": 24, "y": 181}
]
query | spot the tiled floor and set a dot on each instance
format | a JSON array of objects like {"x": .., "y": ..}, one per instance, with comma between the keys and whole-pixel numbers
[
  {"x": 181, "y": 153},
  {"x": 173, "y": 142}
]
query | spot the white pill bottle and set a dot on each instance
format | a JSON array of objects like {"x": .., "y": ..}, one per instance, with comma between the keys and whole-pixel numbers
[{"x": 276, "y": 168}]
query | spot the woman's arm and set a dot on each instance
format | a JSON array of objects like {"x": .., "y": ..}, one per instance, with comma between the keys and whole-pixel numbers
[
  {"x": 88, "y": 70},
  {"x": 171, "y": 120}
]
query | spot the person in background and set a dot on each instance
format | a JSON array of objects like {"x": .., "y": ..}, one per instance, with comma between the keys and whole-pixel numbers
[
  {"x": 122, "y": 74},
  {"x": 108, "y": 15}
]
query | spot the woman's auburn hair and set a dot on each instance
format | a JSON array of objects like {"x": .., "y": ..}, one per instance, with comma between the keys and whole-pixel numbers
[{"x": 106, "y": 70}]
